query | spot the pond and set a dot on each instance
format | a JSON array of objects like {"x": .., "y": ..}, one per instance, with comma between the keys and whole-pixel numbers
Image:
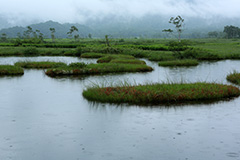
[{"x": 47, "y": 118}]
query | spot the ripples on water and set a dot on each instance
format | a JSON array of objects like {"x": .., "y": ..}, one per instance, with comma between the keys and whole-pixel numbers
[{"x": 46, "y": 118}]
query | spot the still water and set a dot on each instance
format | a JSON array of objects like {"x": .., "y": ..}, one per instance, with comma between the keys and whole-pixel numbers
[{"x": 43, "y": 118}]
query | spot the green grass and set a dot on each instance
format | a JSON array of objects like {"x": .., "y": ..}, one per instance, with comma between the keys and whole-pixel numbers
[
  {"x": 127, "y": 61},
  {"x": 39, "y": 65},
  {"x": 108, "y": 58},
  {"x": 223, "y": 48},
  {"x": 10, "y": 70},
  {"x": 152, "y": 49},
  {"x": 113, "y": 58},
  {"x": 101, "y": 68},
  {"x": 184, "y": 62},
  {"x": 234, "y": 78},
  {"x": 161, "y": 93},
  {"x": 160, "y": 56}
]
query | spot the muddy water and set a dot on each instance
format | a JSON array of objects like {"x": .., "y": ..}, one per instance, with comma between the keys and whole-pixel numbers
[{"x": 46, "y": 118}]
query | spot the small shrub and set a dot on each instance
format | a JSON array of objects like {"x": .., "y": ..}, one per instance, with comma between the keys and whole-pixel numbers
[
  {"x": 31, "y": 51},
  {"x": 70, "y": 53},
  {"x": 78, "y": 51},
  {"x": 177, "y": 46},
  {"x": 121, "y": 40}
]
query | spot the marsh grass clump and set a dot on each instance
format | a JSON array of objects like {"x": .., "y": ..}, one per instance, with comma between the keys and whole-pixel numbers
[
  {"x": 39, "y": 65},
  {"x": 234, "y": 78},
  {"x": 184, "y": 62},
  {"x": 10, "y": 70},
  {"x": 161, "y": 93}
]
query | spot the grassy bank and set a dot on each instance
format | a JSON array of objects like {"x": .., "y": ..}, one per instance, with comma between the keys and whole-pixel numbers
[
  {"x": 39, "y": 65},
  {"x": 10, "y": 70},
  {"x": 234, "y": 78},
  {"x": 161, "y": 93},
  {"x": 34, "y": 51},
  {"x": 184, "y": 62}
]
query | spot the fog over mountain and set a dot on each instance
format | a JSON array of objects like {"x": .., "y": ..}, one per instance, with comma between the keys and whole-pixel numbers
[{"x": 119, "y": 16}]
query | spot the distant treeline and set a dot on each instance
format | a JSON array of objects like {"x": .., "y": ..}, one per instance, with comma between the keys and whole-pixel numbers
[
  {"x": 38, "y": 32},
  {"x": 229, "y": 32}
]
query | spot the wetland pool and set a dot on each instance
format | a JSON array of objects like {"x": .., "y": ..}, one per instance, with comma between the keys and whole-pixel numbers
[{"x": 48, "y": 118}]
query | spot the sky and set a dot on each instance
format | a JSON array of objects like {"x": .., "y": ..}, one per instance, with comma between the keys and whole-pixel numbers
[{"x": 17, "y": 12}]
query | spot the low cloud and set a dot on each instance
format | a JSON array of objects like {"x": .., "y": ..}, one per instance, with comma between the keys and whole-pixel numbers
[{"x": 27, "y": 11}]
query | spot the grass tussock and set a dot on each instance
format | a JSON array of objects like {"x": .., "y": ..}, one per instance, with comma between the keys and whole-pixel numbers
[
  {"x": 10, "y": 70},
  {"x": 161, "y": 93},
  {"x": 234, "y": 78},
  {"x": 39, "y": 65},
  {"x": 184, "y": 62}
]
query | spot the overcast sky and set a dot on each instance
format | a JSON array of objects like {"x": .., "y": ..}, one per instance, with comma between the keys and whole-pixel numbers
[{"x": 20, "y": 11}]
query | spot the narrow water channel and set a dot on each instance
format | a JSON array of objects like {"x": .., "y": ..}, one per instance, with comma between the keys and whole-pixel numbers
[{"x": 47, "y": 118}]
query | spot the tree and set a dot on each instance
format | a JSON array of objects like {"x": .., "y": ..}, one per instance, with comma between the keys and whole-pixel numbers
[
  {"x": 52, "y": 34},
  {"x": 232, "y": 31},
  {"x": 28, "y": 32},
  {"x": 71, "y": 31},
  {"x": 107, "y": 40},
  {"x": 39, "y": 35},
  {"x": 213, "y": 34},
  {"x": 168, "y": 31},
  {"x": 179, "y": 24},
  {"x": 4, "y": 37},
  {"x": 90, "y": 36}
]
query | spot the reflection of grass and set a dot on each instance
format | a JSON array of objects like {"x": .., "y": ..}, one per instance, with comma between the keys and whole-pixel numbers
[
  {"x": 185, "y": 62},
  {"x": 161, "y": 93},
  {"x": 39, "y": 65},
  {"x": 10, "y": 70},
  {"x": 234, "y": 78}
]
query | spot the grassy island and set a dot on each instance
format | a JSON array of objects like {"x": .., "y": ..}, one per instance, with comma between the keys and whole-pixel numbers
[
  {"x": 39, "y": 65},
  {"x": 107, "y": 63},
  {"x": 184, "y": 62},
  {"x": 101, "y": 68},
  {"x": 6, "y": 70},
  {"x": 161, "y": 93},
  {"x": 234, "y": 78}
]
